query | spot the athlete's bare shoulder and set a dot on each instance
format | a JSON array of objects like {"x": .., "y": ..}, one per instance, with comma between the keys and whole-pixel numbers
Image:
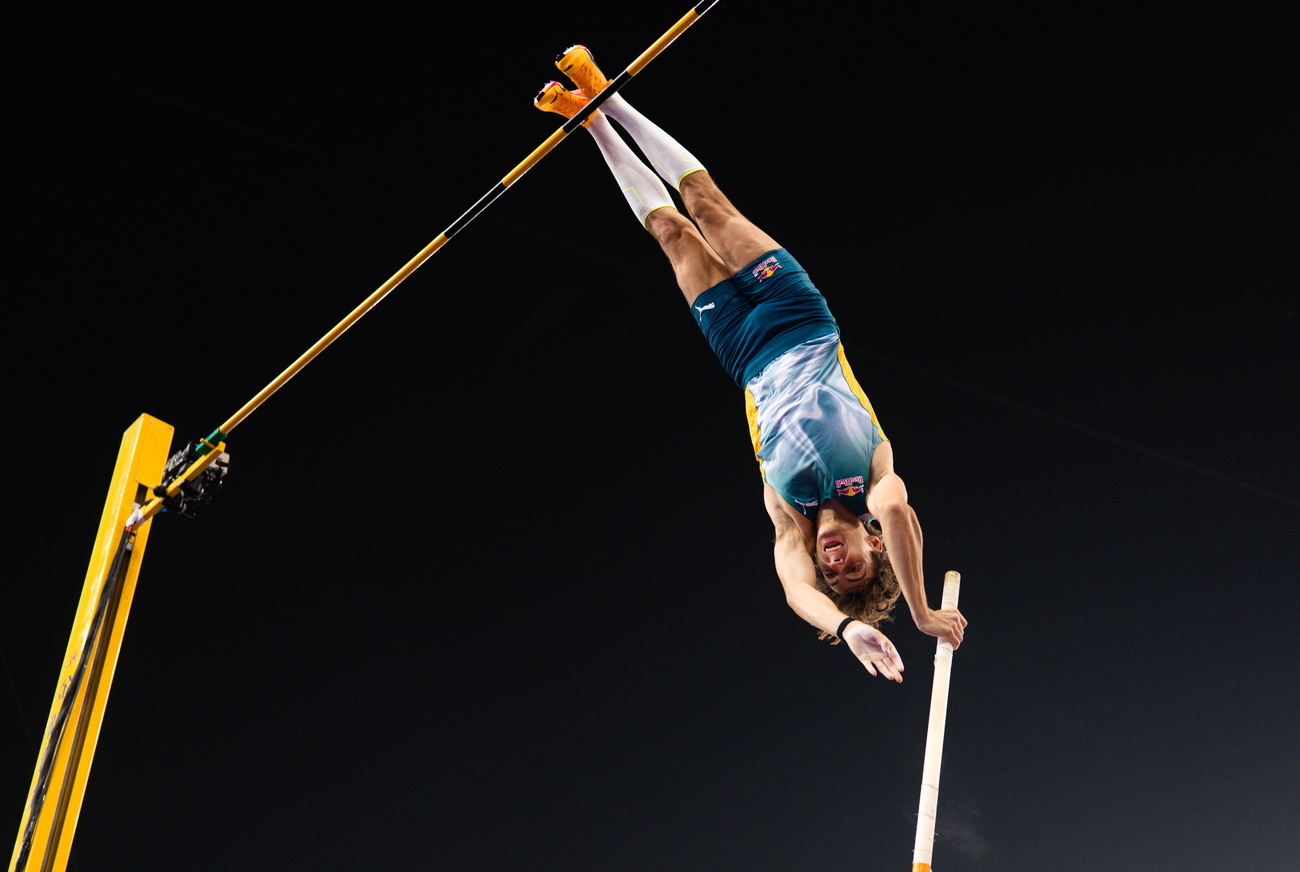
[{"x": 882, "y": 463}]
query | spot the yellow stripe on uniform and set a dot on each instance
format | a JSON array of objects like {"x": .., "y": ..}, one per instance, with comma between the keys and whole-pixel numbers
[
  {"x": 751, "y": 412},
  {"x": 857, "y": 391}
]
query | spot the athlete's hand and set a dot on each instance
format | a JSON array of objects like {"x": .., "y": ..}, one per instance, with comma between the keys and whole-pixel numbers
[
  {"x": 874, "y": 650},
  {"x": 945, "y": 624}
]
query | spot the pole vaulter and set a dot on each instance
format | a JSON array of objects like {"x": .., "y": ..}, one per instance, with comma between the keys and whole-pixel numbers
[
  {"x": 846, "y": 542},
  {"x": 145, "y": 482}
]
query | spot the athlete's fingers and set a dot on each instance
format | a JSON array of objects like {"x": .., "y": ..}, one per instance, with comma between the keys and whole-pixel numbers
[
  {"x": 870, "y": 668},
  {"x": 889, "y": 654}
]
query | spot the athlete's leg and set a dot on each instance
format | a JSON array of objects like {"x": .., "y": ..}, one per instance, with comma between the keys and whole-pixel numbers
[
  {"x": 697, "y": 266},
  {"x": 733, "y": 236},
  {"x": 642, "y": 189},
  {"x": 735, "y": 239}
]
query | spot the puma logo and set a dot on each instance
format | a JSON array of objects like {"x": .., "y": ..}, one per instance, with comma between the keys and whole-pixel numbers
[{"x": 703, "y": 309}]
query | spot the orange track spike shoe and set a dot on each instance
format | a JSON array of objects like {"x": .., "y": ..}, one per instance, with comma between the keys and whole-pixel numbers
[
  {"x": 554, "y": 98},
  {"x": 578, "y": 65}
]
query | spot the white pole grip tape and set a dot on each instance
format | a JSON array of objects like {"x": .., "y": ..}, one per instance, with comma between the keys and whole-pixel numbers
[{"x": 923, "y": 850}]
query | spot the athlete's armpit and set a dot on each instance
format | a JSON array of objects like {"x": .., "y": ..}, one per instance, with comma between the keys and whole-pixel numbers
[{"x": 776, "y": 510}]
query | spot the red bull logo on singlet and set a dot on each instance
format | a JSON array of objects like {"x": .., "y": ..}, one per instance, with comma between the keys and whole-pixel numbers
[
  {"x": 765, "y": 269},
  {"x": 849, "y": 487}
]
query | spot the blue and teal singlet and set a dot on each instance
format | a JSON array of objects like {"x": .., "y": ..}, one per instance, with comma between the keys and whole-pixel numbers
[{"x": 813, "y": 428}]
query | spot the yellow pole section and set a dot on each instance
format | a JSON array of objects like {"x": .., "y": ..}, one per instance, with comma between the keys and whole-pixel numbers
[
  {"x": 524, "y": 166},
  {"x": 339, "y": 329},
  {"x": 72, "y": 730},
  {"x": 923, "y": 849},
  {"x": 538, "y": 153},
  {"x": 663, "y": 42}
]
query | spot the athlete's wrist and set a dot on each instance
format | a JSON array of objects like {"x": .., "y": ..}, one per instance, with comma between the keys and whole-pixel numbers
[{"x": 844, "y": 624}]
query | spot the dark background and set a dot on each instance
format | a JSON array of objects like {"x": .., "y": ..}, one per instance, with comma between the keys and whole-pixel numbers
[{"x": 490, "y": 585}]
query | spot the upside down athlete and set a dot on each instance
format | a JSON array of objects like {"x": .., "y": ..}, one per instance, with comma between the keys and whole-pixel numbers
[{"x": 827, "y": 469}]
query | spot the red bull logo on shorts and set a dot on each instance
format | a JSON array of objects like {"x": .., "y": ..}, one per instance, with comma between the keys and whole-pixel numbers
[
  {"x": 849, "y": 487},
  {"x": 765, "y": 269}
]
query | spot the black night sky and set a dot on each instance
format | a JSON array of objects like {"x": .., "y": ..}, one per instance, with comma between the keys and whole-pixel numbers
[{"x": 490, "y": 584}]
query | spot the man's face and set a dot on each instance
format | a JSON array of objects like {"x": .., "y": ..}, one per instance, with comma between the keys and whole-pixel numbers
[{"x": 845, "y": 558}]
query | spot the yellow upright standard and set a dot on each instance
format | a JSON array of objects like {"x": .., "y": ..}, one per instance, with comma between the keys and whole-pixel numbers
[{"x": 50, "y": 819}]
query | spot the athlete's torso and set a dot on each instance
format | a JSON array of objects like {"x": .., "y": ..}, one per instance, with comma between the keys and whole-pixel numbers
[{"x": 814, "y": 430}]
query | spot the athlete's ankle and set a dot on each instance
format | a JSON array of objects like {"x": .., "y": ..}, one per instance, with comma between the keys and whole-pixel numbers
[{"x": 615, "y": 105}]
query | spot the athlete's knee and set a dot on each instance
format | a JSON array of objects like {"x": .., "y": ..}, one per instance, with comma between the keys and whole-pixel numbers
[
  {"x": 671, "y": 228},
  {"x": 704, "y": 200}
]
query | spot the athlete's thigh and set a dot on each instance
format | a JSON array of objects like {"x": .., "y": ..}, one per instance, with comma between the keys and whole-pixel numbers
[
  {"x": 696, "y": 265},
  {"x": 739, "y": 242},
  {"x": 736, "y": 239}
]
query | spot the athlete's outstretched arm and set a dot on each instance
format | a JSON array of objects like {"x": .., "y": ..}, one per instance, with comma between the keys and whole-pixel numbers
[
  {"x": 902, "y": 534},
  {"x": 795, "y": 569}
]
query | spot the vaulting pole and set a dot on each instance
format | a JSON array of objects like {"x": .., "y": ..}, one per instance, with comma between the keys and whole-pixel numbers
[{"x": 923, "y": 852}]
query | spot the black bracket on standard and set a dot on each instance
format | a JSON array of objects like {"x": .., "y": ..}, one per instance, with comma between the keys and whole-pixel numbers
[{"x": 189, "y": 495}]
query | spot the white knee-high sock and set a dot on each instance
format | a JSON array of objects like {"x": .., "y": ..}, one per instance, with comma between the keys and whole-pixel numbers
[
  {"x": 666, "y": 154},
  {"x": 644, "y": 192}
]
